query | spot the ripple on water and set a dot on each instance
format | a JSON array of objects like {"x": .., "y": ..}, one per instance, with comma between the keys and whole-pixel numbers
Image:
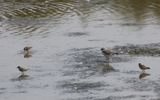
[
  {"x": 21, "y": 78},
  {"x": 18, "y": 92},
  {"x": 141, "y": 85},
  {"x": 95, "y": 56},
  {"x": 76, "y": 34},
  {"x": 78, "y": 87},
  {"x": 117, "y": 97},
  {"x": 2, "y": 90},
  {"x": 87, "y": 62},
  {"x": 82, "y": 98},
  {"x": 131, "y": 72}
]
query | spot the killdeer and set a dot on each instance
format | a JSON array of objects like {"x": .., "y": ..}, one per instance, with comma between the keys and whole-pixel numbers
[
  {"x": 143, "y": 67},
  {"x": 21, "y": 69}
]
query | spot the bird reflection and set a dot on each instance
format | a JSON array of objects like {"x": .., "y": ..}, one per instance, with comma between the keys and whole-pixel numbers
[
  {"x": 23, "y": 77},
  {"x": 143, "y": 75},
  {"x": 107, "y": 68},
  {"x": 27, "y": 55}
]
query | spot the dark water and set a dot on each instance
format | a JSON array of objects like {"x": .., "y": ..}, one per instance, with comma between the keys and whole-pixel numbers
[{"x": 66, "y": 61}]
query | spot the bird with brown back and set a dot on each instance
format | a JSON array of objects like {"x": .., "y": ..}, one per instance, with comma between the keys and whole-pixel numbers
[
  {"x": 143, "y": 67},
  {"x": 21, "y": 69},
  {"x": 107, "y": 53},
  {"x": 27, "y": 52}
]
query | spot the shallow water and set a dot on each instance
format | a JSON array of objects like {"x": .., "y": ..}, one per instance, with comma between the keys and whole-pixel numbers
[{"x": 66, "y": 61}]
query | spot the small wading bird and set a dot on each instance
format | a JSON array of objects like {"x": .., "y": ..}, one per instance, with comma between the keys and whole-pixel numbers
[
  {"x": 27, "y": 52},
  {"x": 143, "y": 67},
  {"x": 107, "y": 53},
  {"x": 27, "y": 48},
  {"x": 22, "y": 70}
]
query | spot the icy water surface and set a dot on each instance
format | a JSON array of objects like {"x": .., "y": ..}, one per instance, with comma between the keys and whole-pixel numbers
[{"x": 66, "y": 61}]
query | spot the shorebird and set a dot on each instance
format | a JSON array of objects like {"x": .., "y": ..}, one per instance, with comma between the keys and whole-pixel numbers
[
  {"x": 143, "y": 67},
  {"x": 21, "y": 69},
  {"x": 27, "y": 52},
  {"x": 27, "y": 48},
  {"x": 107, "y": 53}
]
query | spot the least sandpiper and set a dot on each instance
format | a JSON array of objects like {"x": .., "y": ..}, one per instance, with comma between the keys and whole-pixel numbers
[
  {"x": 27, "y": 52},
  {"x": 107, "y": 53},
  {"x": 21, "y": 69},
  {"x": 143, "y": 67}
]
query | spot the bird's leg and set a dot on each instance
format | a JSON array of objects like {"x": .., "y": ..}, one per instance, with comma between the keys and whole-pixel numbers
[
  {"x": 143, "y": 71},
  {"x": 22, "y": 73},
  {"x": 108, "y": 59}
]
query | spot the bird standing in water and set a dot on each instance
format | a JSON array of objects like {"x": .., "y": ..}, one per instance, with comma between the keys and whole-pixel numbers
[
  {"x": 107, "y": 53},
  {"x": 27, "y": 53},
  {"x": 27, "y": 48},
  {"x": 143, "y": 67},
  {"x": 22, "y": 70}
]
